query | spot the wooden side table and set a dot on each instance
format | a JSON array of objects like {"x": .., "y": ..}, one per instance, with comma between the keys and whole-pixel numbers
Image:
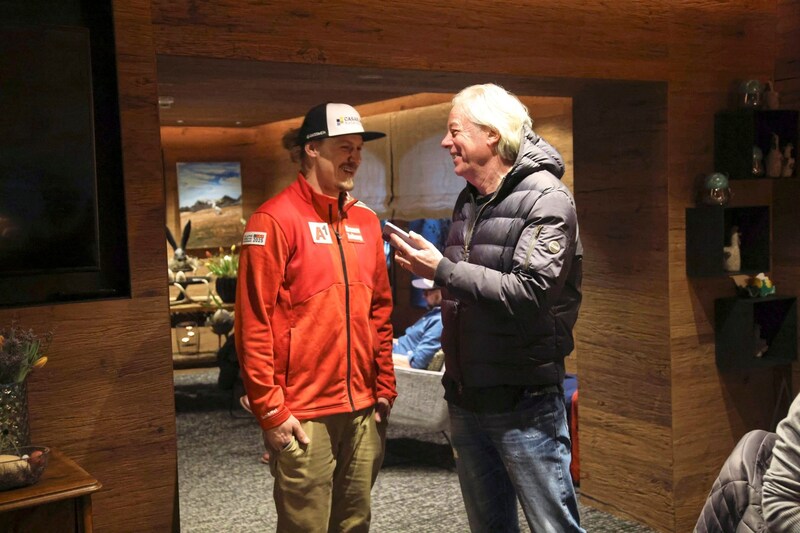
[{"x": 60, "y": 501}]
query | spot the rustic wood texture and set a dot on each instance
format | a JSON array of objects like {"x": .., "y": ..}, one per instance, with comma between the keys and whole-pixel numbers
[
  {"x": 657, "y": 418},
  {"x": 786, "y": 218},
  {"x": 669, "y": 433},
  {"x": 623, "y": 331},
  {"x": 105, "y": 397}
]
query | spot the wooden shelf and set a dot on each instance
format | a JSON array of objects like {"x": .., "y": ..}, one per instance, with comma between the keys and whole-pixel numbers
[
  {"x": 198, "y": 307},
  {"x": 737, "y": 131},
  {"x": 708, "y": 231},
  {"x": 738, "y": 340}
]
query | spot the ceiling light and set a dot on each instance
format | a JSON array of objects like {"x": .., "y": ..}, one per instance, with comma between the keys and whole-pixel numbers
[{"x": 165, "y": 102}]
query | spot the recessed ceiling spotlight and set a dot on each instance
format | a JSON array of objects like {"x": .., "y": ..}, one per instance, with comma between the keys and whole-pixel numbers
[
  {"x": 238, "y": 122},
  {"x": 179, "y": 121},
  {"x": 165, "y": 102}
]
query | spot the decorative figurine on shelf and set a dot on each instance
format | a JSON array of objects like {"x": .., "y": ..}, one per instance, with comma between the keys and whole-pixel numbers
[
  {"x": 750, "y": 91},
  {"x": 774, "y": 162},
  {"x": 758, "y": 161},
  {"x": 787, "y": 168},
  {"x": 760, "y": 342},
  {"x": 716, "y": 190},
  {"x": 732, "y": 259},
  {"x": 754, "y": 286},
  {"x": 181, "y": 261},
  {"x": 770, "y": 96}
]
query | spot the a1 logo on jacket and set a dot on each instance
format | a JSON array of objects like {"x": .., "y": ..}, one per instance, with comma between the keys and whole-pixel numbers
[{"x": 320, "y": 233}]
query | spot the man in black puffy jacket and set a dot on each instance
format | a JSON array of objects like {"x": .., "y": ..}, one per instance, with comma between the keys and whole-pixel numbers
[{"x": 511, "y": 273}]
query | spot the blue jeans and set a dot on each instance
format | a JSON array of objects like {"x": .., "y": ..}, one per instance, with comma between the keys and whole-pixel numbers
[{"x": 520, "y": 455}]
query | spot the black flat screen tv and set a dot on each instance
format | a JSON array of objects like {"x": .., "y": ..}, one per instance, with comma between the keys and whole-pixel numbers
[{"x": 62, "y": 217}]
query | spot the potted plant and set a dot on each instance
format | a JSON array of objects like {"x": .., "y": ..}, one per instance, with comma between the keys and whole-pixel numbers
[
  {"x": 21, "y": 351},
  {"x": 225, "y": 267}
]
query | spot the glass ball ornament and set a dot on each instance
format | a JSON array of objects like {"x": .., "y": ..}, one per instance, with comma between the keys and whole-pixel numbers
[
  {"x": 750, "y": 92},
  {"x": 716, "y": 189}
]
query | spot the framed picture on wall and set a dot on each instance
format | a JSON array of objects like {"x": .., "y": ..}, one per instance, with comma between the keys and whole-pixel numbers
[{"x": 210, "y": 195}]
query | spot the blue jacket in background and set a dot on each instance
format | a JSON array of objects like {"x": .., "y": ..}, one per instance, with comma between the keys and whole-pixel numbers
[{"x": 422, "y": 339}]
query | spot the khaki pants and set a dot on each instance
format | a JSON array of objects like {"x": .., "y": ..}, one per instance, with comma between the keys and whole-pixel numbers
[{"x": 325, "y": 486}]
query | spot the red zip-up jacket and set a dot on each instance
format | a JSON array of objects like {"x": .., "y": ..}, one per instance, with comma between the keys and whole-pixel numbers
[{"x": 313, "y": 306}]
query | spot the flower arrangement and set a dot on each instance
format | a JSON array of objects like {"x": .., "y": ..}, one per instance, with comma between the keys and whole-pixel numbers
[
  {"x": 223, "y": 265},
  {"x": 21, "y": 351}
]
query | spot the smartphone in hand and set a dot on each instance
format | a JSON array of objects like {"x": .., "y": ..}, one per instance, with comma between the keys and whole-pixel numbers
[{"x": 390, "y": 229}]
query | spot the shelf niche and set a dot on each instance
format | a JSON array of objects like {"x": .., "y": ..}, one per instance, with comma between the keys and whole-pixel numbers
[
  {"x": 738, "y": 341},
  {"x": 708, "y": 231},
  {"x": 736, "y": 132}
]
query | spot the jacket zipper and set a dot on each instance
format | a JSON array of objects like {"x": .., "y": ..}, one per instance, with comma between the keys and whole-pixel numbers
[
  {"x": 471, "y": 225},
  {"x": 467, "y": 242},
  {"x": 531, "y": 246},
  {"x": 346, "y": 303}
]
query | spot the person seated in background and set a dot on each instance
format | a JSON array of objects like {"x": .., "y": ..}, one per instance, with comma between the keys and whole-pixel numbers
[
  {"x": 423, "y": 339},
  {"x": 758, "y": 487},
  {"x": 781, "y": 485}
]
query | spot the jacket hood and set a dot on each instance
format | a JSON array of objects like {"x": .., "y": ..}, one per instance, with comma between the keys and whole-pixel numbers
[{"x": 536, "y": 154}]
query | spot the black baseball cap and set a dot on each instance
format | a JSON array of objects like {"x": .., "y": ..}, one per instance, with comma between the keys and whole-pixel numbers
[{"x": 334, "y": 120}]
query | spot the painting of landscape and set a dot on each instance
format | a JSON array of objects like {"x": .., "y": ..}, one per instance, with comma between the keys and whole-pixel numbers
[{"x": 210, "y": 195}]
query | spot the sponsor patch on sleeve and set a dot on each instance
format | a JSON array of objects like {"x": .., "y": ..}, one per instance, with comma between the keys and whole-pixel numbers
[{"x": 256, "y": 238}]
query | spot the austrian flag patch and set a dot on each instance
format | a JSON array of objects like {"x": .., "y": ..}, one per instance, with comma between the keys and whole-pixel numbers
[
  {"x": 353, "y": 234},
  {"x": 257, "y": 238}
]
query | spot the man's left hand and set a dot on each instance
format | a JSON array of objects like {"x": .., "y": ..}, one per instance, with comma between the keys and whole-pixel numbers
[
  {"x": 382, "y": 410},
  {"x": 421, "y": 260}
]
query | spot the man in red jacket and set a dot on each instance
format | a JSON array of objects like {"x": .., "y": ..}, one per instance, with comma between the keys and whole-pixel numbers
[{"x": 313, "y": 330}]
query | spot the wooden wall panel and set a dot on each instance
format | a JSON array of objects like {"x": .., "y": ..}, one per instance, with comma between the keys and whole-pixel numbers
[
  {"x": 105, "y": 397},
  {"x": 633, "y": 227},
  {"x": 700, "y": 49},
  {"x": 711, "y": 409},
  {"x": 628, "y": 43},
  {"x": 786, "y": 217},
  {"x": 623, "y": 331}
]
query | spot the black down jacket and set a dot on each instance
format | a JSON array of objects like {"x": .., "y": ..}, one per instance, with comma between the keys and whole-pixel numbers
[
  {"x": 734, "y": 503},
  {"x": 512, "y": 274}
]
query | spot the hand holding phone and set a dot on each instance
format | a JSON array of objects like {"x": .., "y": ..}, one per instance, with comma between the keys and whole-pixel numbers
[{"x": 390, "y": 229}]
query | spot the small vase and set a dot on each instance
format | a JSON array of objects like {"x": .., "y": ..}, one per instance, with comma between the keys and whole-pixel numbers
[
  {"x": 14, "y": 427},
  {"x": 226, "y": 289}
]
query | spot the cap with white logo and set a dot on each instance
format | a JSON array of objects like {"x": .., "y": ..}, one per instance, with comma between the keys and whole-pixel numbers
[{"x": 334, "y": 120}]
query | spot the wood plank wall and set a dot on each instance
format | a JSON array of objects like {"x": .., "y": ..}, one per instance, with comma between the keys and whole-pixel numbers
[
  {"x": 106, "y": 397},
  {"x": 786, "y": 219},
  {"x": 623, "y": 331},
  {"x": 700, "y": 49}
]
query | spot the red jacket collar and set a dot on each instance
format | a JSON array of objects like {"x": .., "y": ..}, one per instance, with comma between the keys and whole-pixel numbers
[{"x": 327, "y": 207}]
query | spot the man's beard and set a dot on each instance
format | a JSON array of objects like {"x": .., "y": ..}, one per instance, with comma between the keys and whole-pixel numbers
[{"x": 346, "y": 185}]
